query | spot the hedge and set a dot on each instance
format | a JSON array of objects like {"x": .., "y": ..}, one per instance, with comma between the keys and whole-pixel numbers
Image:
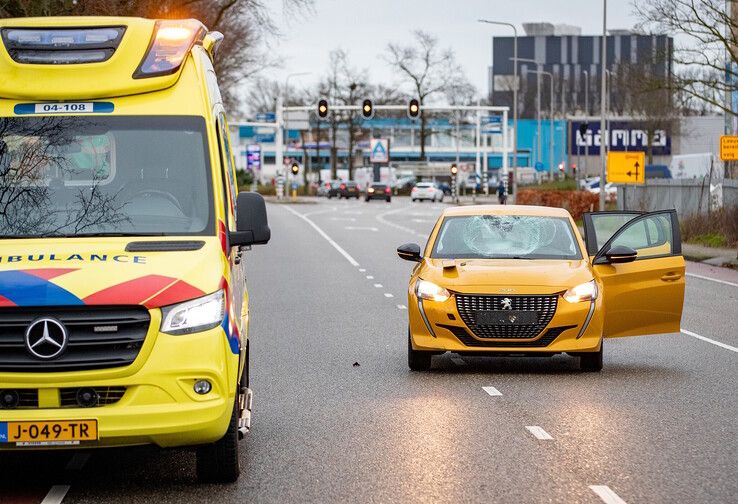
[{"x": 576, "y": 202}]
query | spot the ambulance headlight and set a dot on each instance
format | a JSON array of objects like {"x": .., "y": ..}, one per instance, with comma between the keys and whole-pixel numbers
[{"x": 195, "y": 315}]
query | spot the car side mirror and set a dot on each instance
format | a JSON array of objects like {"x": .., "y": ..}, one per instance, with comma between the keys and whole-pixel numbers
[
  {"x": 620, "y": 254},
  {"x": 410, "y": 252},
  {"x": 252, "y": 227}
]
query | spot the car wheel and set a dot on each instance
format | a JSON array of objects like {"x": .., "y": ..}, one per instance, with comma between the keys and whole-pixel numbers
[
  {"x": 218, "y": 462},
  {"x": 441, "y": 200},
  {"x": 414, "y": 200},
  {"x": 417, "y": 360},
  {"x": 330, "y": 196},
  {"x": 591, "y": 362},
  {"x": 389, "y": 200}
]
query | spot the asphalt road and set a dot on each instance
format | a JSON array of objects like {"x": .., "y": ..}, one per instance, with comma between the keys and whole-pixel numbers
[{"x": 338, "y": 417}]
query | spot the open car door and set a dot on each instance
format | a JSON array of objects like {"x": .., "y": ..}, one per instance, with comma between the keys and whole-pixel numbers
[{"x": 637, "y": 258}]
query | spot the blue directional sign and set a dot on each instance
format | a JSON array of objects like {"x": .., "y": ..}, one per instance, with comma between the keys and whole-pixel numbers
[
  {"x": 539, "y": 166},
  {"x": 266, "y": 117}
]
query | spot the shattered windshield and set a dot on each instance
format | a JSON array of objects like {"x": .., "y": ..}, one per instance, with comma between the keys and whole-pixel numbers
[
  {"x": 81, "y": 176},
  {"x": 506, "y": 237}
]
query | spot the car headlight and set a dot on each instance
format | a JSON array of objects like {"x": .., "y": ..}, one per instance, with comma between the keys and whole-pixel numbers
[
  {"x": 195, "y": 315},
  {"x": 430, "y": 291},
  {"x": 582, "y": 292}
]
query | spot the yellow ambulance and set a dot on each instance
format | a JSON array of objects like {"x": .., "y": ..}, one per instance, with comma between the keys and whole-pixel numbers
[{"x": 123, "y": 307}]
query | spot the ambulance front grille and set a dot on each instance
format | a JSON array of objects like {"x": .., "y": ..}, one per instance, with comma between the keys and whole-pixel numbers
[{"x": 99, "y": 337}]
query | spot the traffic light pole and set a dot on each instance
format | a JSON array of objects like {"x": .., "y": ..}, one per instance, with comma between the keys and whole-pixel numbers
[{"x": 279, "y": 143}]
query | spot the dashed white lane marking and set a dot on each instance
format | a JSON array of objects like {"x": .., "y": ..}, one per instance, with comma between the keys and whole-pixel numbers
[
  {"x": 362, "y": 270},
  {"x": 701, "y": 277},
  {"x": 420, "y": 221},
  {"x": 378, "y": 286},
  {"x": 492, "y": 391},
  {"x": 605, "y": 493},
  {"x": 708, "y": 340},
  {"x": 324, "y": 235},
  {"x": 401, "y": 307},
  {"x": 369, "y": 277},
  {"x": 56, "y": 494},
  {"x": 350, "y": 219},
  {"x": 538, "y": 432},
  {"x": 361, "y": 228},
  {"x": 458, "y": 360},
  {"x": 388, "y": 295}
]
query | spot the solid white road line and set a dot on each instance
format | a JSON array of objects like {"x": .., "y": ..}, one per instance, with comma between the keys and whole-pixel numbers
[
  {"x": 388, "y": 295},
  {"x": 718, "y": 343},
  {"x": 324, "y": 235},
  {"x": 350, "y": 219},
  {"x": 492, "y": 391},
  {"x": 378, "y": 286},
  {"x": 538, "y": 432},
  {"x": 56, "y": 494},
  {"x": 401, "y": 307},
  {"x": 701, "y": 277},
  {"x": 606, "y": 494},
  {"x": 381, "y": 218}
]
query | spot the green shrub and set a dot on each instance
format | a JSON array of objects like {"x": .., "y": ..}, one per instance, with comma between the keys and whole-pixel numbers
[{"x": 718, "y": 229}]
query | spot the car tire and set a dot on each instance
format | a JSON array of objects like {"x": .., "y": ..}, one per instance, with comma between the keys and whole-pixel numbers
[
  {"x": 413, "y": 200},
  {"x": 389, "y": 200},
  {"x": 218, "y": 462},
  {"x": 417, "y": 360},
  {"x": 441, "y": 200},
  {"x": 591, "y": 362}
]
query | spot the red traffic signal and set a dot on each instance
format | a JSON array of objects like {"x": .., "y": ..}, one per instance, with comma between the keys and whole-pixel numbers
[
  {"x": 367, "y": 109},
  {"x": 323, "y": 108},
  {"x": 413, "y": 108}
]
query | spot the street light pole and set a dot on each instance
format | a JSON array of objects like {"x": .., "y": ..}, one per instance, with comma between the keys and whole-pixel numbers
[
  {"x": 515, "y": 102},
  {"x": 603, "y": 132},
  {"x": 286, "y": 103},
  {"x": 550, "y": 120},
  {"x": 586, "y": 115}
]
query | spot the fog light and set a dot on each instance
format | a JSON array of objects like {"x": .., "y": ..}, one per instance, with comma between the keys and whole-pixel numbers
[
  {"x": 9, "y": 399},
  {"x": 202, "y": 387},
  {"x": 87, "y": 397}
]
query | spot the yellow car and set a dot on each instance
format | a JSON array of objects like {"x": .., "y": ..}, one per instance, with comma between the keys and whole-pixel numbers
[
  {"x": 512, "y": 280},
  {"x": 123, "y": 307}
]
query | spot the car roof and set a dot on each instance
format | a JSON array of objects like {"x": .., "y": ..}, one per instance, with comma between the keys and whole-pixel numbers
[
  {"x": 425, "y": 183},
  {"x": 528, "y": 210}
]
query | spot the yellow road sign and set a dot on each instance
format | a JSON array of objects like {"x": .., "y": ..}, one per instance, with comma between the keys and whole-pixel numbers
[
  {"x": 729, "y": 148},
  {"x": 626, "y": 167}
]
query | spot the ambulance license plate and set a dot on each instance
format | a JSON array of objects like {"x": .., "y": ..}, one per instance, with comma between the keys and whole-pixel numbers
[{"x": 52, "y": 433}]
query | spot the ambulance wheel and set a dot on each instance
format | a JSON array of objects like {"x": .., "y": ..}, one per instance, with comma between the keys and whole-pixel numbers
[{"x": 218, "y": 462}]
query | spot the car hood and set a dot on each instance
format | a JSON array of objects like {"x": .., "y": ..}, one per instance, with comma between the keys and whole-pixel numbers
[
  {"x": 508, "y": 276},
  {"x": 108, "y": 271}
]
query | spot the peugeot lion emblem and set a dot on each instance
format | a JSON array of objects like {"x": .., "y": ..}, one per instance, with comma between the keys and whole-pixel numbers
[
  {"x": 506, "y": 303},
  {"x": 46, "y": 338}
]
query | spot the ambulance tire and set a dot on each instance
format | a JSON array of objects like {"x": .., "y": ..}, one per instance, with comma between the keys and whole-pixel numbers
[{"x": 218, "y": 462}]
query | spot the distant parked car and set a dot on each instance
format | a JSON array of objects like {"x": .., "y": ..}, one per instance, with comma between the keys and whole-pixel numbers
[
  {"x": 404, "y": 182},
  {"x": 443, "y": 186},
  {"x": 378, "y": 191},
  {"x": 335, "y": 189},
  {"x": 348, "y": 190},
  {"x": 611, "y": 192},
  {"x": 426, "y": 191}
]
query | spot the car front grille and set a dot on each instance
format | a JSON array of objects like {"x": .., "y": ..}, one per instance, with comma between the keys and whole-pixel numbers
[
  {"x": 98, "y": 337},
  {"x": 470, "y": 305},
  {"x": 468, "y": 340}
]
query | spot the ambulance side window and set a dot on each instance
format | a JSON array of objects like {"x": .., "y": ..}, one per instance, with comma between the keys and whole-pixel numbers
[{"x": 229, "y": 183}]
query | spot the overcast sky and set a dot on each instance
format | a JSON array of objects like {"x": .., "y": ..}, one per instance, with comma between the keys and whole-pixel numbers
[{"x": 364, "y": 27}]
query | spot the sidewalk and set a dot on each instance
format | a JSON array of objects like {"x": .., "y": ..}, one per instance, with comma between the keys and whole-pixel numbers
[{"x": 710, "y": 255}]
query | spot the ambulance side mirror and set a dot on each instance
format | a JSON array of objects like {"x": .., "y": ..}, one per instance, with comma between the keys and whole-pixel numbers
[{"x": 252, "y": 227}]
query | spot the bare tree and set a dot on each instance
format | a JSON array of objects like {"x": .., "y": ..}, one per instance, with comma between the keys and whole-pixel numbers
[
  {"x": 706, "y": 61},
  {"x": 428, "y": 70},
  {"x": 245, "y": 23}
]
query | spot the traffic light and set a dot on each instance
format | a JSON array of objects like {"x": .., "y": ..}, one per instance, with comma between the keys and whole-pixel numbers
[
  {"x": 454, "y": 169},
  {"x": 413, "y": 108},
  {"x": 323, "y": 108},
  {"x": 295, "y": 168},
  {"x": 367, "y": 109}
]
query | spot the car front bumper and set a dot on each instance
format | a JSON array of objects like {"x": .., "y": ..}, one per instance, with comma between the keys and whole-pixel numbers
[
  {"x": 439, "y": 330},
  {"x": 159, "y": 405}
]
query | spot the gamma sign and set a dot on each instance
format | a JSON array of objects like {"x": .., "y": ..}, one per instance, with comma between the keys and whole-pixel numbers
[{"x": 626, "y": 167}]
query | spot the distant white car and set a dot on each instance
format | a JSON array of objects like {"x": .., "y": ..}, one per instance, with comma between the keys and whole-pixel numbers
[
  {"x": 611, "y": 191},
  {"x": 426, "y": 191}
]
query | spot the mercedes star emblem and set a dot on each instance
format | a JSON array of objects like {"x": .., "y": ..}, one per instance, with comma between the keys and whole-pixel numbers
[
  {"x": 46, "y": 338},
  {"x": 506, "y": 303}
]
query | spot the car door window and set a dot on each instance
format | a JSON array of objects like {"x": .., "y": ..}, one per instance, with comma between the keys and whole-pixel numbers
[
  {"x": 650, "y": 236},
  {"x": 604, "y": 225}
]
